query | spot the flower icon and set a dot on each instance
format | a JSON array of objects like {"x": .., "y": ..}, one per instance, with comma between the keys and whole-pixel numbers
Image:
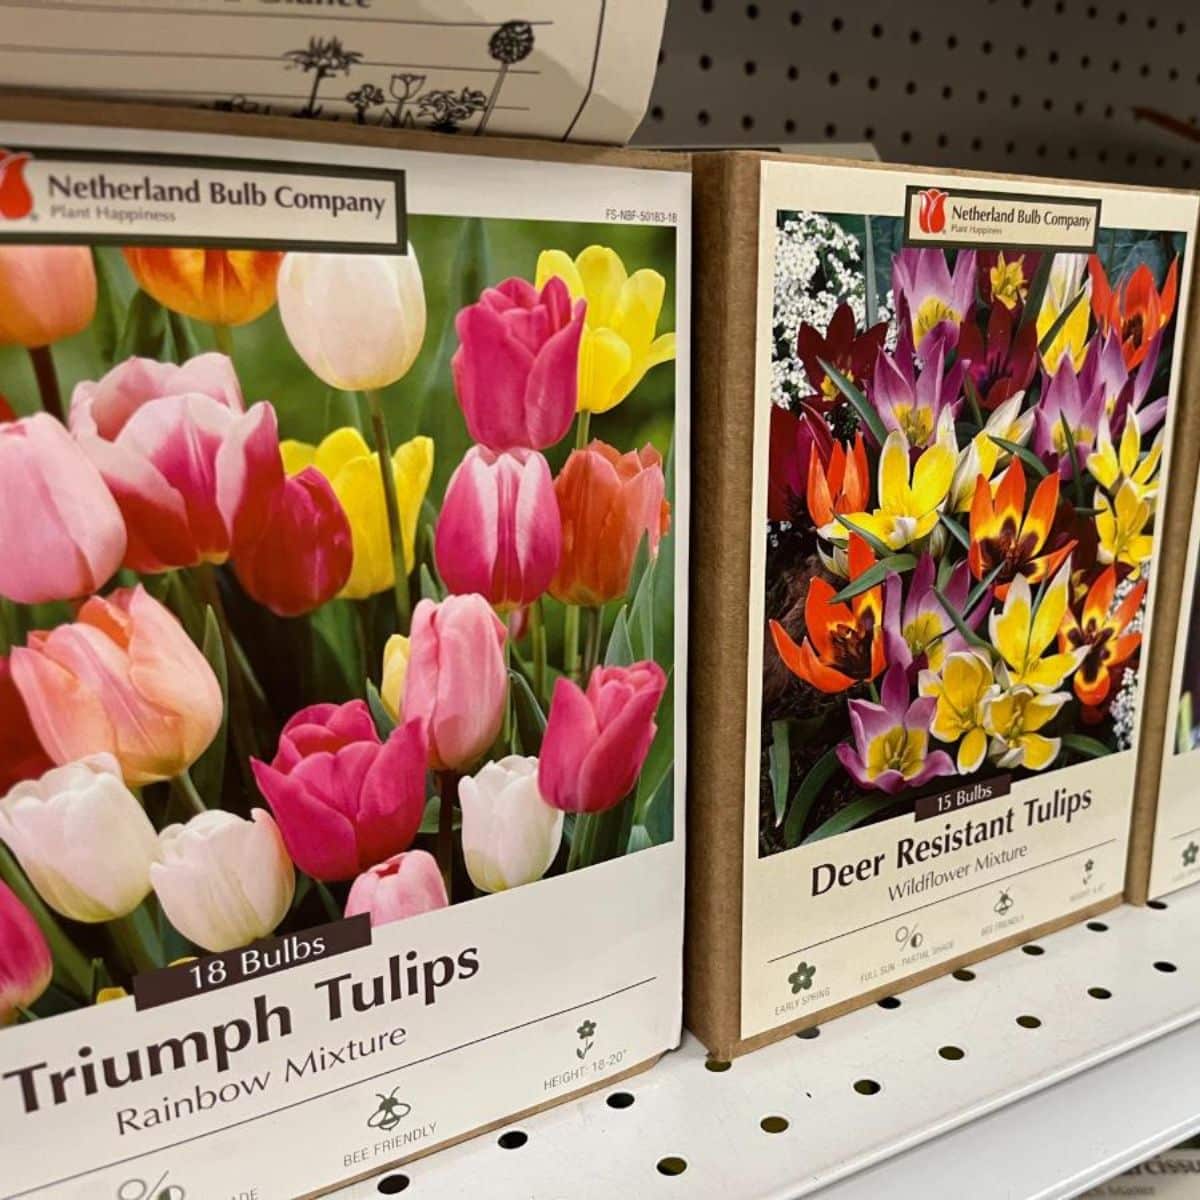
[
  {"x": 1189, "y": 854},
  {"x": 801, "y": 978},
  {"x": 586, "y": 1030}
]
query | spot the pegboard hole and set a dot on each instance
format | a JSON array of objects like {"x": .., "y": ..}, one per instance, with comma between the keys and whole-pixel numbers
[
  {"x": 1027, "y": 1022},
  {"x": 773, "y": 1124},
  {"x": 1097, "y": 926},
  {"x": 890, "y": 1002},
  {"x": 809, "y": 1034},
  {"x": 619, "y": 1100},
  {"x": 671, "y": 1165},
  {"x": 1099, "y": 993},
  {"x": 514, "y": 1139},
  {"x": 867, "y": 1087},
  {"x": 1033, "y": 949},
  {"x": 716, "y": 1064},
  {"x": 1158, "y": 904},
  {"x": 952, "y": 1053},
  {"x": 963, "y": 974},
  {"x": 392, "y": 1185},
  {"x": 1167, "y": 968}
]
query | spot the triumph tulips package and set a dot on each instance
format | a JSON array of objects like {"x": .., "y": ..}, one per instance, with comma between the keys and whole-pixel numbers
[
  {"x": 343, "y": 530},
  {"x": 934, "y": 467}
]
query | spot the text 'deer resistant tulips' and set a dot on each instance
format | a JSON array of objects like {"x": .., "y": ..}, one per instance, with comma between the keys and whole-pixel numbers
[{"x": 261, "y": 667}]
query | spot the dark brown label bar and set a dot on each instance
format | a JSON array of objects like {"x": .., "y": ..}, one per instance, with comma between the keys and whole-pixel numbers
[{"x": 944, "y": 804}]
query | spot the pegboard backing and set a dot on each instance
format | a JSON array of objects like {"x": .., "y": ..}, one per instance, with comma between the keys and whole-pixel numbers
[{"x": 1039, "y": 86}]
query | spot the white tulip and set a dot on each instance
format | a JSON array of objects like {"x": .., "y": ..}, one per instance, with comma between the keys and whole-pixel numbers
[
  {"x": 83, "y": 839},
  {"x": 357, "y": 320},
  {"x": 510, "y": 835},
  {"x": 224, "y": 881}
]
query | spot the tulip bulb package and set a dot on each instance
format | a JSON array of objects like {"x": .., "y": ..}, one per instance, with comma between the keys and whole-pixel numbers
[
  {"x": 934, "y": 465},
  {"x": 343, "y": 528}
]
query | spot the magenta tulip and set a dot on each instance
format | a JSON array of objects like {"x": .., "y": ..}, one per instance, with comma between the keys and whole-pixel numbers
[
  {"x": 499, "y": 532},
  {"x": 289, "y": 536},
  {"x": 597, "y": 741},
  {"x": 516, "y": 371},
  {"x": 405, "y": 885},
  {"x": 344, "y": 800},
  {"x": 457, "y": 683},
  {"x": 61, "y": 532},
  {"x": 25, "y": 962}
]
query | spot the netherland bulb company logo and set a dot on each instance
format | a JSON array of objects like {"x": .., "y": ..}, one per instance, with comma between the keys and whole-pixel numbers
[
  {"x": 16, "y": 200},
  {"x": 931, "y": 216}
]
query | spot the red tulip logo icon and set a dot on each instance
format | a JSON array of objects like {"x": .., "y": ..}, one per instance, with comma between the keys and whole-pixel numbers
[
  {"x": 16, "y": 200},
  {"x": 932, "y": 214}
]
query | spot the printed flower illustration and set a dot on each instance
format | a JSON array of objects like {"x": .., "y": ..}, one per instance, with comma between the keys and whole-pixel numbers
[
  {"x": 1104, "y": 632},
  {"x": 1067, "y": 421},
  {"x": 838, "y": 485},
  {"x": 849, "y": 352},
  {"x": 1001, "y": 359},
  {"x": 1121, "y": 526},
  {"x": 222, "y": 287},
  {"x": 1005, "y": 276},
  {"x": 794, "y": 438},
  {"x": 1065, "y": 305},
  {"x": 1135, "y": 308},
  {"x": 1112, "y": 466},
  {"x": 587, "y": 1029},
  {"x": 845, "y": 641},
  {"x": 891, "y": 740},
  {"x": 801, "y": 978},
  {"x": 961, "y": 691},
  {"x": 934, "y": 299},
  {"x": 911, "y": 402},
  {"x": 1022, "y": 633},
  {"x": 917, "y": 627},
  {"x": 1013, "y": 719}
]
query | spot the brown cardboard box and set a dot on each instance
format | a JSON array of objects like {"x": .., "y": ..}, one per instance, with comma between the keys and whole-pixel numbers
[
  {"x": 577, "y": 967},
  {"x": 879, "y": 907}
]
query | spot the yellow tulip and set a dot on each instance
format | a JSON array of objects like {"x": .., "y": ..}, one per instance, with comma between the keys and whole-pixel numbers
[
  {"x": 909, "y": 503},
  {"x": 1120, "y": 525},
  {"x": 961, "y": 690},
  {"x": 619, "y": 344},
  {"x": 352, "y": 469},
  {"x": 1022, "y": 635},
  {"x": 1111, "y": 465},
  {"x": 1013, "y": 719},
  {"x": 395, "y": 671},
  {"x": 1067, "y": 279}
]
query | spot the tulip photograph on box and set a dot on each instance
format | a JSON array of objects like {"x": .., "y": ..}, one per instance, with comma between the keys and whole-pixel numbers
[{"x": 332, "y": 583}]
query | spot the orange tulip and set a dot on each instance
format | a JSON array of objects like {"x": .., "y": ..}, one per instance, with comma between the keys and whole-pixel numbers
[
  {"x": 1136, "y": 309},
  {"x": 841, "y": 486},
  {"x": 1005, "y": 535},
  {"x": 222, "y": 287},
  {"x": 608, "y": 501},
  {"x": 1105, "y": 634},
  {"x": 844, "y": 645},
  {"x": 47, "y": 293}
]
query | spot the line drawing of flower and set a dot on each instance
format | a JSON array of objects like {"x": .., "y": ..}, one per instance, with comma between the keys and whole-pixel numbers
[
  {"x": 364, "y": 98},
  {"x": 587, "y": 1033},
  {"x": 323, "y": 57},
  {"x": 801, "y": 978},
  {"x": 404, "y": 87},
  {"x": 512, "y": 43},
  {"x": 449, "y": 109}
]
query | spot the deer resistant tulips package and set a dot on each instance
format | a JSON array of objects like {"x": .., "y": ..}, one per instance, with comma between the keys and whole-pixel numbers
[
  {"x": 343, "y": 526},
  {"x": 934, "y": 469}
]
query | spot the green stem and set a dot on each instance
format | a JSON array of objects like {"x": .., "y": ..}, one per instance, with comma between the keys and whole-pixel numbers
[
  {"x": 47, "y": 380},
  {"x": 223, "y": 336},
  {"x": 591, "y": 651},
  {"x": 582, "y": 426},
  {"x": 136, "y": 940},
  {"x": 448, "y": 787},
  {"x": 506, "y": 730},
  {"x": 10, "y": 632},
  {"x": 537, "y": 634},
  {"x": 383, "y": 448},
  {"x": 182, "y": 783},
  {"x": 332, "y": 911},
  {"x": 571, "y": 642}
]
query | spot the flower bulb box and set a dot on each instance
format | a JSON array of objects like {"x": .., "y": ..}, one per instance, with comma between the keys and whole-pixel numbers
[
  {"x": 343, "y": 562},
  {"x": 935, "y": 430}
]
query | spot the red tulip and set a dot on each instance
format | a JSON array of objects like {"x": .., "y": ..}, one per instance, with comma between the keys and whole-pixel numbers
[
  {"x": 61, "y": 533},
  {"x": 289, "y": 536},
  {"x": 21, "y": 754},
  {"x": 499, "y": 532},
  {"x": 25, "y": 962},
  {"x": 516, "y": 371},
  {"x": 404, "y": 885},
  {"x": 344, "y": 800},
  {"x": 597, "y": 741}
]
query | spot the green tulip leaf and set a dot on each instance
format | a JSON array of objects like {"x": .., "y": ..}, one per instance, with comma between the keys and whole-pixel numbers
[
  {"x": 806, "y": 795},
  {"x": 379, "y": 713},
  {"x": 146, "y": 333},
  {"x": 956, "y": 531},
  {"x": 857, "y": 813},
  {"x": 779, "y": 757},
  {"x": 430, "y": 588},
  {"x": 110, "y": 308},
  {"x": 1059, "y": 321},
  {"x": 861, "y": 405},
  {"x": 661, "y": 757},
  {"x": 531, "y": 721},
  {"x": 1088, "y": 747},
  {"x": 208, "y": 772},
  {"x": 620, "y": 645},
  {"x": 1026, "y": 455},
  {"x": 1037, "y": 291},
  {"x": 894, "y": 564}
]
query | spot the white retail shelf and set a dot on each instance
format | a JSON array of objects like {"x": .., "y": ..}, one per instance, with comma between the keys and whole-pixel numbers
[{"x": 1056, "y": 1066}]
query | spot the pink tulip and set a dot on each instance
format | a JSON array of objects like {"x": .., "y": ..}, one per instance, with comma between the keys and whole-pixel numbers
[
  {"x": 289, "y": 536},
  {"x": 344, "y": 800},
  {"x": 499, "y": 532},
  {"x": 155, "y": 431},
  {"x": 61, "y": 532},
  {"x": 457, "y": 682},
  {"x": 516, "y": 370},
  {"x": 123, "y": 679},
  {"x": 25, "y": 962},
  {"x": 597, "y": 741},
  {"x": 47, "y": 293},
  {"x": 405, "y": 885}
]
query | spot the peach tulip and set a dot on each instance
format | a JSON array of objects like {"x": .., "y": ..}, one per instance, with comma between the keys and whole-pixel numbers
[
  {"x": 609, "y": 501},
  {"x": 456, "y": 680},
  {"x": 61, "y": 532},
  {"x": 47, "y": 293},
  {"x": 25, "y": 963},
  {"x": 223, "y": 287},
  {"x": 499, "y": 532},
  {"x": 123, "y": 679},
  {"x": 404, "y": 885}
]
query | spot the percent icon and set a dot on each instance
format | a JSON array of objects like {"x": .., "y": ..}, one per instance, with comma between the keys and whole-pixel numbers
[
  {"x": 139, "y": 1189},
  {"x": 909, "y": 936}
]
